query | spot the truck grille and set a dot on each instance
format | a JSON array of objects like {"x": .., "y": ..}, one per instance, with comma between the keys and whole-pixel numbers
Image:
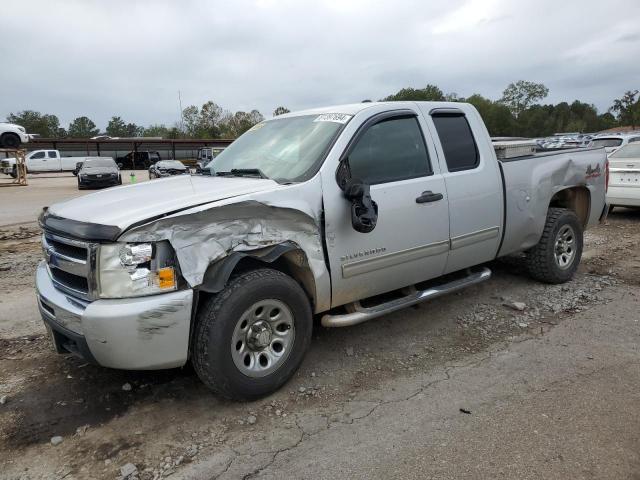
[{"x": 69, "y": 263}]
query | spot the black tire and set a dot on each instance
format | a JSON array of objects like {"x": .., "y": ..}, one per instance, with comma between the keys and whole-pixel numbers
[
  {"x": 542, "y": 261},
  {"x": 14, "y": 172},
  {"x": 10, "y": 140},
  {"x": 219, "y": 315}
]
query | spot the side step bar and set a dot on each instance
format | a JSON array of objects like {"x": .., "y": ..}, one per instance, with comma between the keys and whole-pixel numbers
[{"x": 361, "y": 314}]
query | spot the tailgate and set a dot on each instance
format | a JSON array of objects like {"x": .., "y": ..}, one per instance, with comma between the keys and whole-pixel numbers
[{"x": 624, "y": 172}]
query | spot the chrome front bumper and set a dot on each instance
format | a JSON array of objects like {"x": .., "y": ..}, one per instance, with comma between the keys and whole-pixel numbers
[{"x": 143, "y": 333}]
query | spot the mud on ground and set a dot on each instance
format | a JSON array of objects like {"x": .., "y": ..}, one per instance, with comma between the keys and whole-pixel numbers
[{"x": 162, "y": 421}]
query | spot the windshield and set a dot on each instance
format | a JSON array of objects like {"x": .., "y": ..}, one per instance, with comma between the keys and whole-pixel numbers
[
  {"x": 631, "y": 150},
  {"x": 98, "y": 162},
  {"x": 285, "y": 150},
  {"x": 607, "y": 142}
]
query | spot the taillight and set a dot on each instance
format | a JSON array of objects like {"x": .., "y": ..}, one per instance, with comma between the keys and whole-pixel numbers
[{"x": 606, "y": 176}]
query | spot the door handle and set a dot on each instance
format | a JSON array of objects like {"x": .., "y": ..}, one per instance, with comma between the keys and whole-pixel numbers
[{"x": 429, "y": 196}]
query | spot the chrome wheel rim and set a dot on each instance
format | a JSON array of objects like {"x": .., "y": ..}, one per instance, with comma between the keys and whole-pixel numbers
[
  {"x": 263, "y": 338},
  {"x": 565, "y": 247}
]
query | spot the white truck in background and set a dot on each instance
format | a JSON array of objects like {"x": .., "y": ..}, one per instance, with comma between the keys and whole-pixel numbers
[
  {"x": 40, "y": 161},
  {"x": 12, "y": 135}
]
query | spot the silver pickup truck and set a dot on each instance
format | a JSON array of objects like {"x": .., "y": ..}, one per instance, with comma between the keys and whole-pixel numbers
[{"x": 345, "y": 213}]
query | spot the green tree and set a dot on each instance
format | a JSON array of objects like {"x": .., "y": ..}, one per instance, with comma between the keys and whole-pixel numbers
[
  {"x": 210, "y": 120},
  {"x": 521, "y": 95},
  {"x": 497, "y": 117},
  {"x": 34, "y": 122},
  {"x": 133, "y": 130},
  {"x": 159, "y": 130},
  {"x": 116, "y": 127},
  {"x": 627, "y": 109},
  {"x": 430, "y": 92},
  {"x": 82, "y": 127},
  {"x": 190, "y": 117},
  {"x": 280, "y": 111},
  {"x": 240, "y": 122},
  {"x": 606, "y": 121}
]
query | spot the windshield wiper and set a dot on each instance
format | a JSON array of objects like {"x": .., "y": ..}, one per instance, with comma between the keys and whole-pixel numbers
[{"x": 243, "y": 172}]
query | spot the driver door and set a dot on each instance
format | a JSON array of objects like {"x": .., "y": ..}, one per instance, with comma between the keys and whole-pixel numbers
[{"x": 410, "y": 242}]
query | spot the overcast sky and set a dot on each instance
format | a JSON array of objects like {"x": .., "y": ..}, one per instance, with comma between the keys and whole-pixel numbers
[{"x": 130, "y": 58}]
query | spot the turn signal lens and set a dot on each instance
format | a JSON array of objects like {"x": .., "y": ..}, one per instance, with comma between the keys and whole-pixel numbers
[{"x": 166, "y": 278}]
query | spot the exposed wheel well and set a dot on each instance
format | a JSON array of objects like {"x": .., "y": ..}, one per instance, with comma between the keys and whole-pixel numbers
[
  {"x": 291, "y": 261},
  {"x": 577, "y": 199}
]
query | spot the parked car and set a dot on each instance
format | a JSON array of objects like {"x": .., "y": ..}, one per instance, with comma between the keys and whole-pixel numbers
[
  {"x": 12, "y": 135},
  {"x": 624, "y": 180},
  {"x": 44, "y": 161},
  {"x": 138, "y": 160},
  {"x": 98, "y": 173},
  {"x": 612, "y": 142},
  {"x": 167, "y": 168},
  {"x": 343, "y": 212},
  {"x": 205, "y": 155}
]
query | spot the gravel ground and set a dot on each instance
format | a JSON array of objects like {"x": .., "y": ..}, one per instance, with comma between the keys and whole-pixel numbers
[{"x": 385, "y": 399}]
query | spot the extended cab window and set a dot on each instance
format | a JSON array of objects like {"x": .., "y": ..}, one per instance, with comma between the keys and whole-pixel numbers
[
  {"x": 458, "y": 144},
  {"x": 52, "y": 154},
  {"x": 389, "y": 151},
  {"x": 38, "y": 155}
]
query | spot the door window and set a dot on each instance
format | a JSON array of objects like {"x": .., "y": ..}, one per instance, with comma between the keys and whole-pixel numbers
[
  {"x": 458, "y": 144},
  {"x": 37, "y": 155},
  {"x": 389, "y": 151},
  {"x": 52, "y": 154}
]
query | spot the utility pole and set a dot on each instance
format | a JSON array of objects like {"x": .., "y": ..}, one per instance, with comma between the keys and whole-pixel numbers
[{"x": 181, "y": 114}]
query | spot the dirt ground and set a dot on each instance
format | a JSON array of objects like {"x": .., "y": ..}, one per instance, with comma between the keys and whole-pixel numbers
[
  {"x": 23, "y": 204},
  {"x": 461, "y": 387}
]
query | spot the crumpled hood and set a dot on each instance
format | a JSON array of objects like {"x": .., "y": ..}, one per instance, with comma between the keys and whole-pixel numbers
[{"x": 124, "y": 206}]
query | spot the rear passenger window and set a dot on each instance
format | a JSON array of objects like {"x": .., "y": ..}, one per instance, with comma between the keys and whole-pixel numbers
[
  {"x": 390, "y": 151},
  {"x": 460, "y": 150},
  {"x": 52, "y": 154}
]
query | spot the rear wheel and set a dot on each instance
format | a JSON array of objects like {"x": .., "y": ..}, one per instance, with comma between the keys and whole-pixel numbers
[
  {"x": 251, "y": 337},
  {"x": 10, "y": 140},
  {"x": 556, "y": 257},
  {"x": 14, "y": 172}
]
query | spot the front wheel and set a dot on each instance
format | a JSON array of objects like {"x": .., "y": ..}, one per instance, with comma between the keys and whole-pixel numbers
[
  {"x": 252, "y": 337},
  {"x": 556, "y": 257},
  {"x": 10, "y": 140},
  {"x": 14, "y": 172}
]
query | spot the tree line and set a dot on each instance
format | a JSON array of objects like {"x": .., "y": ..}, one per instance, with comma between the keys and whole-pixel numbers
[{"x": 518, "y": 112}]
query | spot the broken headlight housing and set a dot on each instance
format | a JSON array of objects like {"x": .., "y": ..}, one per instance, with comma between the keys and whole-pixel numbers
[{"x": 136, "y": 269}]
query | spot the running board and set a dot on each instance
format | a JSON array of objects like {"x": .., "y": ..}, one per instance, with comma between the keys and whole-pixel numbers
[{"x": 361, "y": 314}]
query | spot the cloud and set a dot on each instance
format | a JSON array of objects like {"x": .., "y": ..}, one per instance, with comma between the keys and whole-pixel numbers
[{"x": 130, "y": 58}]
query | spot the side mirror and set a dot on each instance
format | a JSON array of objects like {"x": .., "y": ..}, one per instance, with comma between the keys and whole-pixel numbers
[{"x": 364, "y": 211}]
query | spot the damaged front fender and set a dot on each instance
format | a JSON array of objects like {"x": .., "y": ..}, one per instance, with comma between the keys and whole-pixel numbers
[{"x": 264, "y": 227}]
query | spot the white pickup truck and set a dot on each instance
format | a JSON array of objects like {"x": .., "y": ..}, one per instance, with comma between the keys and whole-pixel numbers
[
  {"x": 40, "y": 161},
  {"x": 347, "y": 212},
  {"x": 12, "y": 135}
]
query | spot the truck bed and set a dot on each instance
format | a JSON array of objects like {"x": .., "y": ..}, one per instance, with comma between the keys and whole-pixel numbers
[{"x": 530, "y": 181}]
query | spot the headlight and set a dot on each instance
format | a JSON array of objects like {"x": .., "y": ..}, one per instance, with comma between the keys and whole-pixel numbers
[
  {"x": 22, "y": 129},
  {"x": 136, "y": 269}
]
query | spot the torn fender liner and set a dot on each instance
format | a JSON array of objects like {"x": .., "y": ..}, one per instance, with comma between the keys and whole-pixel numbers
[{"x": 204, "y": 236}]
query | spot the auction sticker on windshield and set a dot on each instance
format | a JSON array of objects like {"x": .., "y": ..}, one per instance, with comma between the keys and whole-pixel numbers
[{"x": 333, "y": 117}]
